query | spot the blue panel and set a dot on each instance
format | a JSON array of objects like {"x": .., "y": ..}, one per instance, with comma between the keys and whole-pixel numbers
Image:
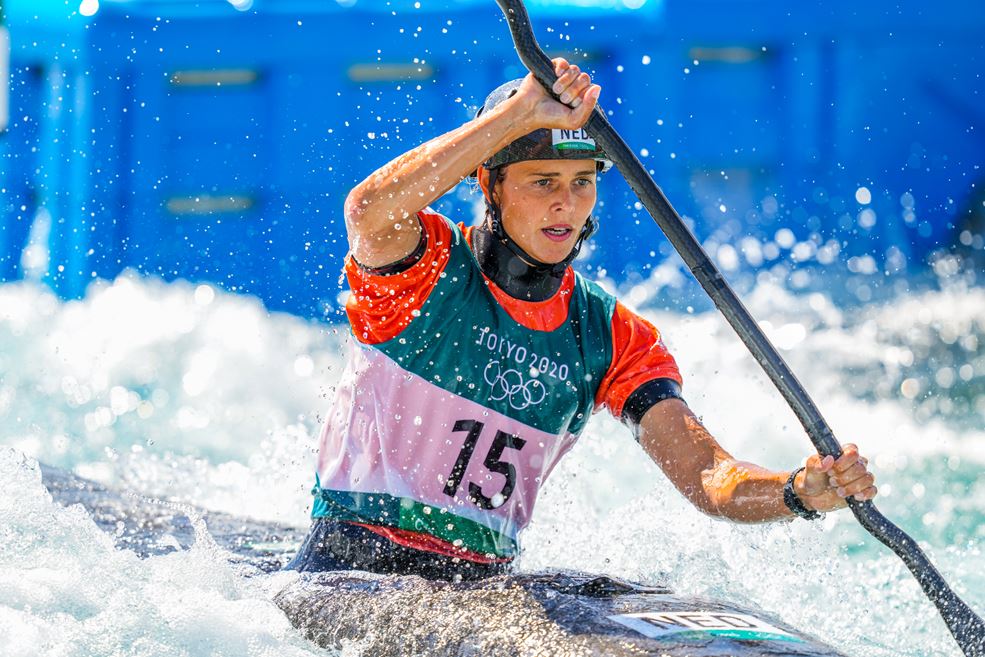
[
  {"x": 188, "y": 139},
  {"x": 18, "y": 158}
]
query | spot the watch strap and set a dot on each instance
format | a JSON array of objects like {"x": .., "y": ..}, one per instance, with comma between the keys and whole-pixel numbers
[{"x": 793, "y": 501}]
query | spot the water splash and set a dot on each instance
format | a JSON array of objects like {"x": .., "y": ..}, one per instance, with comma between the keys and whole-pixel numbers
[
  {"x": 194, "y": 395},
  {"x": 65, "y": 588}
]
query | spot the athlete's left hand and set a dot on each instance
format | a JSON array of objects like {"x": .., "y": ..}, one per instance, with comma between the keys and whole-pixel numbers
[
  {"x": 538, "y": 109},
  {"x": 825, "y": 483}
]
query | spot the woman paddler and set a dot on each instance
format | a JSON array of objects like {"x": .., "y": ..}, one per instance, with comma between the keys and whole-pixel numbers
[{"x": 480, "y": 355}]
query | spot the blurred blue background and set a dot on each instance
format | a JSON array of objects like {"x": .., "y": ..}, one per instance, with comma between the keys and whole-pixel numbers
[{"x": 215, "y": 140}]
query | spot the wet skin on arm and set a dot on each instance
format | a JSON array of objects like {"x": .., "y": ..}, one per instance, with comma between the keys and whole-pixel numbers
[
  {"x": 380, "y": 211},
  {"x": 719, "y": 485}
]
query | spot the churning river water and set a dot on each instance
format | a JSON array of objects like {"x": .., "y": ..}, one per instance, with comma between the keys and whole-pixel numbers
[{"x": 186, "y": 393}]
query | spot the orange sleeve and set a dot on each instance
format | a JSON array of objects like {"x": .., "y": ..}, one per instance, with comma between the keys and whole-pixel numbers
[
  {"x": 381, "y": 306},
  {"x": 638, "y": 356}
]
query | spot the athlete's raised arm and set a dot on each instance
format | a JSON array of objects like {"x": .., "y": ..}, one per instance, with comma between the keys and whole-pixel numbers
[
  {"x": 720, "y": 485},
  {"x": 379, "y": 211}
]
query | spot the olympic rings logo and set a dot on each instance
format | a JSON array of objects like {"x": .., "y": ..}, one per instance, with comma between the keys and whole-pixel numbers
[{"x": 510, "y": 385}]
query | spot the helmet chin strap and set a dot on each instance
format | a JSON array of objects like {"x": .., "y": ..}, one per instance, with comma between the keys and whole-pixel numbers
[{"x": 555, "y": 269}]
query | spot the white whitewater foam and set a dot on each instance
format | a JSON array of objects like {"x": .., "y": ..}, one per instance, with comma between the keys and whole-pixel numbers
[
  {"x": 188, "y": 393},
  {"x": 66, "y": 590}
]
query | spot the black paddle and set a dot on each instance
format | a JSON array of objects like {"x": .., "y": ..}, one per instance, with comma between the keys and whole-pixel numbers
[{"x": 967, "y": 628}]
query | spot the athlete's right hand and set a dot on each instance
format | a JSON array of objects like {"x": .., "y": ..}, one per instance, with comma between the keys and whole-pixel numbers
[{"x": 578, "y": 98}]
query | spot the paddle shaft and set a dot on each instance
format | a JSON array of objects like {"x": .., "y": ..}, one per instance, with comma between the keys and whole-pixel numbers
[{"x": 967, "y": 628}]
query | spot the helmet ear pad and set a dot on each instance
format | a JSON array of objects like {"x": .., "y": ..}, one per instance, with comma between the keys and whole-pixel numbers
[{"x": 487, "y": 179}]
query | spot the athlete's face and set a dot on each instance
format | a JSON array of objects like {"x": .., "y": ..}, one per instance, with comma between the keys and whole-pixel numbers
[{"x": 545, "y": 204}]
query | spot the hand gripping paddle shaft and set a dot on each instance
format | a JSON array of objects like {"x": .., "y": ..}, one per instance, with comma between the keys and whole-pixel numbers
[{"x": 967, "y": 628}]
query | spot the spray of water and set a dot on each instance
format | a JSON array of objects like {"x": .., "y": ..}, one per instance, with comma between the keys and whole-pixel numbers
[{"x": 186, "y": 393}]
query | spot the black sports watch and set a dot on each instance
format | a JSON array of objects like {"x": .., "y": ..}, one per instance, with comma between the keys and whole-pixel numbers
[{"x": 794, "y": 503}]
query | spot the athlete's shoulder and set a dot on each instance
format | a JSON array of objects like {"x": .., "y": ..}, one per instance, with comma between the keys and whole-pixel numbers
[
  {"x": 439, "y": 228},
  {"x": 382, "y": 305},
  {"x": 595, "y": 294},
  {"x": 445, "y": 234}
]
